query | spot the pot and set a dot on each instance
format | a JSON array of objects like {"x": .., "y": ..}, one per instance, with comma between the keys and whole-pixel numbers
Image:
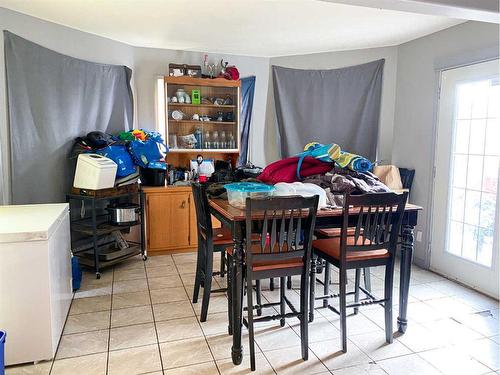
[{"x": 124, "y": 214}]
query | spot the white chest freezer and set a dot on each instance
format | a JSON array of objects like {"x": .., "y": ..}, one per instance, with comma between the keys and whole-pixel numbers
[{"x": 35, "y": 279}]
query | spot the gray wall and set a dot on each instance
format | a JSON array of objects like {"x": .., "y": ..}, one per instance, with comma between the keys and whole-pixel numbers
[
  {"x": 332, "y": 60},
  {"x": 416, "y": 104}
]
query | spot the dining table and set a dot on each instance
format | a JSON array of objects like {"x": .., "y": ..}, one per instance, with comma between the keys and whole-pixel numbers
[{"x": 234, "y": 218}]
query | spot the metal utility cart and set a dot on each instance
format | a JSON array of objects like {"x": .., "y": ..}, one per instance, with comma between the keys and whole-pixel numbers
[{"x": 92, "y": 238}]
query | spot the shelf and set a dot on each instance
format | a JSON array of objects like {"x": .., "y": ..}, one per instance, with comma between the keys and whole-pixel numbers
[
  {"x": 224, "y": 106},
  {"x": 89, "y": 262},
  {"x": 193, "y": 150},
  {"x": 170, "y": 121},
  {"x": 85, "y": 227},
  {"x": 213, "y": 82}
]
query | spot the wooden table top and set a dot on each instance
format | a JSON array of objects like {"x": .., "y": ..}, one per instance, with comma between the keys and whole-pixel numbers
[{"x": 238, "y": 214}]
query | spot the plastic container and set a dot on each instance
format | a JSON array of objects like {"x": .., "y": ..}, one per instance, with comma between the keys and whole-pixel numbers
[
  {"x": 238, "y": 192},
  {"x": 2, "y": 352},
  {"x": 94, "y": 172},
  {"x": 153, "y": 176}
]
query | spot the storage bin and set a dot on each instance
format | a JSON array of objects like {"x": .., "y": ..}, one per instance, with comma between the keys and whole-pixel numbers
[
  {"x": 238, "y": 192},
  {"x": 2, "y": 351},
  {"x": 94, "y": 172}
]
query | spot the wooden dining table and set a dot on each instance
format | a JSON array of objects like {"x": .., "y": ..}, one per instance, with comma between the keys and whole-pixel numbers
[{"x": 234, "y": 218}]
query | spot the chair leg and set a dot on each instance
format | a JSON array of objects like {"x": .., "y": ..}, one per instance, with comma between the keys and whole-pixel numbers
[
  {"x": 197, "y": 279},
  {"x": 271, "y": 284},
  {"x": 258, "y": 293},
  {"x": 388, "y": 287},
  {"x": 229, "y": 295},
  {"x": 366, "y": 276},
  {"x": 289, "y": 282},
  {"x": 357, "y": 281},
  {"x": 304, "y": 325},
  {"x": 250, "y": 324},
  {"x": 326, "y": 290},
  {"x": 313, "y": 288},
  {"x": 207, "y": 287},
  {"x": 222, "y": 263},
  {"x": 282, "y": 301},
  {"x": 343, "y": 315}
]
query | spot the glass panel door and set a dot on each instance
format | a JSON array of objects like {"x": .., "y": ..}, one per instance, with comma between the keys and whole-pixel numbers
[{"x": 465, "y": 214}]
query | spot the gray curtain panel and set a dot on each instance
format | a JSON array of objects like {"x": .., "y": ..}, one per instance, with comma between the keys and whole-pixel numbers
[
  {"x": 329, "y": 106},
  {"x": 52, "y": 99}
]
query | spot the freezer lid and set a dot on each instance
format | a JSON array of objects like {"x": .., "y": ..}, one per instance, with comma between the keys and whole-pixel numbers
[{"x": 31, "y": 222}]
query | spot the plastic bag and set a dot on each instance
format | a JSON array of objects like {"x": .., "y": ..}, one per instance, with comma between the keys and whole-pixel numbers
[
  {"x": 120, "y": 155},
  {"x": 144, "y": 152}
]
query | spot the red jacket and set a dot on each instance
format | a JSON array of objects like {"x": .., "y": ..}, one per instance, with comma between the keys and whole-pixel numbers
[{"x": 285, "y": 170}]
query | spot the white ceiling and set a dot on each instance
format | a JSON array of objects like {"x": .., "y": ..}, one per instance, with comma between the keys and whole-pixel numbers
[{"x": 244, "y": 27}]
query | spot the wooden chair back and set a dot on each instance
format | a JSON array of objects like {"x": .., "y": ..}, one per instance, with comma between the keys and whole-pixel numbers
[
  {"x": 285, "y": 231},
  {"x": 377, "y": 225},
  {"x": 203, "y": 217}
]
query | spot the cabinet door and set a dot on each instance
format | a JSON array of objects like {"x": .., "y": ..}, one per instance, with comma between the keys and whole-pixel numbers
[{"x": 168, "y": 221}]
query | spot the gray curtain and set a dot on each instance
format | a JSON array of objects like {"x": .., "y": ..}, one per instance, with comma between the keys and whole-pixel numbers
[
  {"x": 329, "y": 106},
  {"x": 52, "y": 99}
]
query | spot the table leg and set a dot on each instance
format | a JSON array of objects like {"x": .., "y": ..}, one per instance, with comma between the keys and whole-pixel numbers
[
  {"x": 237, "y": 298},
  {"x": 405, "y": 273}
]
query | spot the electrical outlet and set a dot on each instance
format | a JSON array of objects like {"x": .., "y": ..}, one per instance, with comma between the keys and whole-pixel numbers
[{"x": 419, "y": 236}]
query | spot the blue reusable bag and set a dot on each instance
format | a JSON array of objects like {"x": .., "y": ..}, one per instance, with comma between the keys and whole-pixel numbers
[
  {"x": 145, "y": 152},
  {"x": 120, "y": 155}
]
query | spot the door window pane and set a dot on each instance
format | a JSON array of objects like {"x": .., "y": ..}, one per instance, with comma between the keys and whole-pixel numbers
[
  {"x": 485, "y": 246},
  {"x": 462, "y": 137},
  {"x": 472, "y": 206},
  {"x": 455, "y": 241},
  {"x": 475, "y": 172},
  {"x": 492, "y": 146},
  {"x": 460, "y": 171},
  {"x": 488, "y": 210},
  {"x": 480, "y": 99},
  {"x": 469, "y": 242},
  {"x": 477, "y": 132},
  {"x": 458, "y": 205},
  {"x": 490, "y": 174},
  {"x": 465, "y": 95},
  {"x": 494, "y": 100}
]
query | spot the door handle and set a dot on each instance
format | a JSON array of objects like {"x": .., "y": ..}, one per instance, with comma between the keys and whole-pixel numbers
[{"x": 183, "y": 204}]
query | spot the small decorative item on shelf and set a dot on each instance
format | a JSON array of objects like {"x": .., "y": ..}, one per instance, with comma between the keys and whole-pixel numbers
[
  {"x": 220, "y": 116},
  {"x": 229, "y": 117},
  {"x": 177, "y": 115},
  {"x": 187, "y": 141},
  {"x": 179, "y": 70},
  {"x": 196, "y": 97}
]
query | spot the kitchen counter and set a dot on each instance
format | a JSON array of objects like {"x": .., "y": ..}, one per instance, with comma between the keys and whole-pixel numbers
[{"x": 31, "y": 222}]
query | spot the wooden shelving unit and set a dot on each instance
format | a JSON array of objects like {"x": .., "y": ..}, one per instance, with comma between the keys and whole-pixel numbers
[{"x": 209, "y": 88}]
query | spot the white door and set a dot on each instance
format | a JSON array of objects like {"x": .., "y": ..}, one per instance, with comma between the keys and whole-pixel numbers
[{"x": 465, "y": 237}]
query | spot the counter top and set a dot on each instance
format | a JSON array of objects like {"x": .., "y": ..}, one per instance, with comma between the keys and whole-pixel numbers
[{"x": 31, "y": 222}]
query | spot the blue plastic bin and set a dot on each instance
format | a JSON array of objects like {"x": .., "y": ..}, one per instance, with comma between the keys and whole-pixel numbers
[{"x": 2, "y": 351}]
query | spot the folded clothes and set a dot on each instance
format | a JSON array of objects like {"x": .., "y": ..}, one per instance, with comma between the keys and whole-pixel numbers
[
  {"x": 285, "y": 170},
  {"x": 353, "y": 162},
  {"x": 333, "y": 153}
]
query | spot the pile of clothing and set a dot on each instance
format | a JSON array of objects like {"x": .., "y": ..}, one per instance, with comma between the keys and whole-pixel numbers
[{"x": 335, "y": 171}]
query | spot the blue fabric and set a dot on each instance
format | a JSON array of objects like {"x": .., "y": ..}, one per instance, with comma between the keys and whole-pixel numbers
[
  {"x": 120, "y": 155},
  {"x": 247, "y": 92}
]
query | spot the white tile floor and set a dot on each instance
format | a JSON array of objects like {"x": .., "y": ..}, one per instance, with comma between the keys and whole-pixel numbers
[{"x": 138, "y": 319}]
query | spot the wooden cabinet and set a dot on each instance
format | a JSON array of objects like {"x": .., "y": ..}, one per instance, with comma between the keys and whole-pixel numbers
[{"x": 170, "y": 219}]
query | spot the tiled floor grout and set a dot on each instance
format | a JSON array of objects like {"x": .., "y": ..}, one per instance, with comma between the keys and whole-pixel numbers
[
  {"x": 468, "y": 302},
  {"x": 154, "y": 320}
]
